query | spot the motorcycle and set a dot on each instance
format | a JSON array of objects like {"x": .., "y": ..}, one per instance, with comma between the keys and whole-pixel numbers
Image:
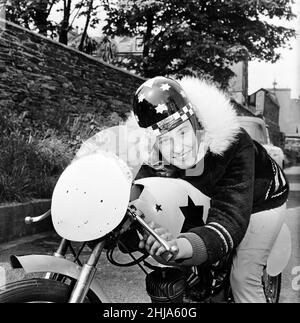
[{"x": 93, "y": 204}]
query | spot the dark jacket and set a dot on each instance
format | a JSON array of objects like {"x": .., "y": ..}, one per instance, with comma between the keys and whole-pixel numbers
[{"x": 243, "y": 181}]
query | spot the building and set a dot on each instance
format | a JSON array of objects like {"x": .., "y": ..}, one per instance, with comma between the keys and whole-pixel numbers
[
  {"x": 267, "y": 106},
  {"x": 289, "y": 114},
  {"x": 295, "y": 121},
  {"x": 129, "y": 46}
]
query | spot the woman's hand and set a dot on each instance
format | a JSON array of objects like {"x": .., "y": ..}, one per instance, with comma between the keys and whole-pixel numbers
[
  {"x": 153, "y": 247},
  {"x": 183, "y": 247}
]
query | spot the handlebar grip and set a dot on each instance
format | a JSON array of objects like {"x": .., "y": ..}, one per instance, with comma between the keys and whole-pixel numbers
[
  {"x": 170, "y": 252},
  {"x": 168, "y": 255},
  {"x": 31, "y": 219}
]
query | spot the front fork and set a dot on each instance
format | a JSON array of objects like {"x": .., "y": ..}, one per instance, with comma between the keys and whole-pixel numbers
[
  {"x": 87, "y": 273},
  {"x": 60, "y": 253},
  {"x": 88, "y": 270}
]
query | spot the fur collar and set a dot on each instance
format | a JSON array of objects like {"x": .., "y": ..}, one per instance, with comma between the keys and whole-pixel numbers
[{"x": 215, "y": 112}]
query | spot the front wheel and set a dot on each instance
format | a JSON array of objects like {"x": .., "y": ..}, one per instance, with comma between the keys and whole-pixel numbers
[{"x": 39, "y": 290}]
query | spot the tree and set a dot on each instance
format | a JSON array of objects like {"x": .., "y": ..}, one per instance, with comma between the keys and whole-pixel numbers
[
  {"x": 91, "y": 20},
  {"x": 83, "y": 7},
  {"x": 65, "y": 24},
  {"x": 34, "y": 15},
  {"x": 199, "y": 37},
  {"x": 106, "y": 49},
  {"x": 41, "y": 10},
  {"x": 31, "y": 14},
  {"x": 87, "y": 22}
]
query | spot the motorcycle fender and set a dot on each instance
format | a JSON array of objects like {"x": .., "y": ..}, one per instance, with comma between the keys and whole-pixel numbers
[
  {"x": 44, "y": 263},
  {"x": 280, "y": 252}
]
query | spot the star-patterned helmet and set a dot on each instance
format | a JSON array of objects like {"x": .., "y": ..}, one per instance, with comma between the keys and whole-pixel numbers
[{"x": 161, "y": 103}]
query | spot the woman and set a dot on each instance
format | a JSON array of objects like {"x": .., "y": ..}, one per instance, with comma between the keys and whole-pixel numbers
[{"x": 198, "y": 139}]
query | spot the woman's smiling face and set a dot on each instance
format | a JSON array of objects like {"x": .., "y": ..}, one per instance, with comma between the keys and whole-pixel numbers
[{"x": 179, "y": 146}]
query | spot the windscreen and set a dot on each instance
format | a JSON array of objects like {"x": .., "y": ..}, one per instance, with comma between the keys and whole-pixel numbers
[{"x": 129, "y": 143}]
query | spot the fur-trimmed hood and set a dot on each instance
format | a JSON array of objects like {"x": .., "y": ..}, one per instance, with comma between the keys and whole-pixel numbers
[{"x": 214, "y": 111}]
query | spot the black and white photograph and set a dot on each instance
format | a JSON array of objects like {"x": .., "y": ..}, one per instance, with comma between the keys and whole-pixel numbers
[{"x": 149, "y": 154}]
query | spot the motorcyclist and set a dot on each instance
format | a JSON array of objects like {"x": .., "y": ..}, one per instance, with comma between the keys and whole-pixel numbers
[{"x": 198, "y": 139}]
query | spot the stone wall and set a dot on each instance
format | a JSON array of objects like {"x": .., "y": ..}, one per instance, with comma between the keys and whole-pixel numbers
[{"x": 53, "y": 82}]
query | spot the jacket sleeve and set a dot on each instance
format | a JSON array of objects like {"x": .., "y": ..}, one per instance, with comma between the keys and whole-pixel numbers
[{"x": 230, "y": 210}]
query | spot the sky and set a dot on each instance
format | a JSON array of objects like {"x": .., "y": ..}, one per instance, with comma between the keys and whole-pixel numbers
[{"x": 285, "y": 72}]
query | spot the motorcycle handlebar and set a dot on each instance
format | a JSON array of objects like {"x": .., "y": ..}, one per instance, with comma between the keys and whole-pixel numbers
[
  {"x": 34, "y": 219},
  {"x": 137, "y": 215}
]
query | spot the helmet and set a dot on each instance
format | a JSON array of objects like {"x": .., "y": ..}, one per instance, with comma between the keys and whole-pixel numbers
[{"x": 161, "y": 104}]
